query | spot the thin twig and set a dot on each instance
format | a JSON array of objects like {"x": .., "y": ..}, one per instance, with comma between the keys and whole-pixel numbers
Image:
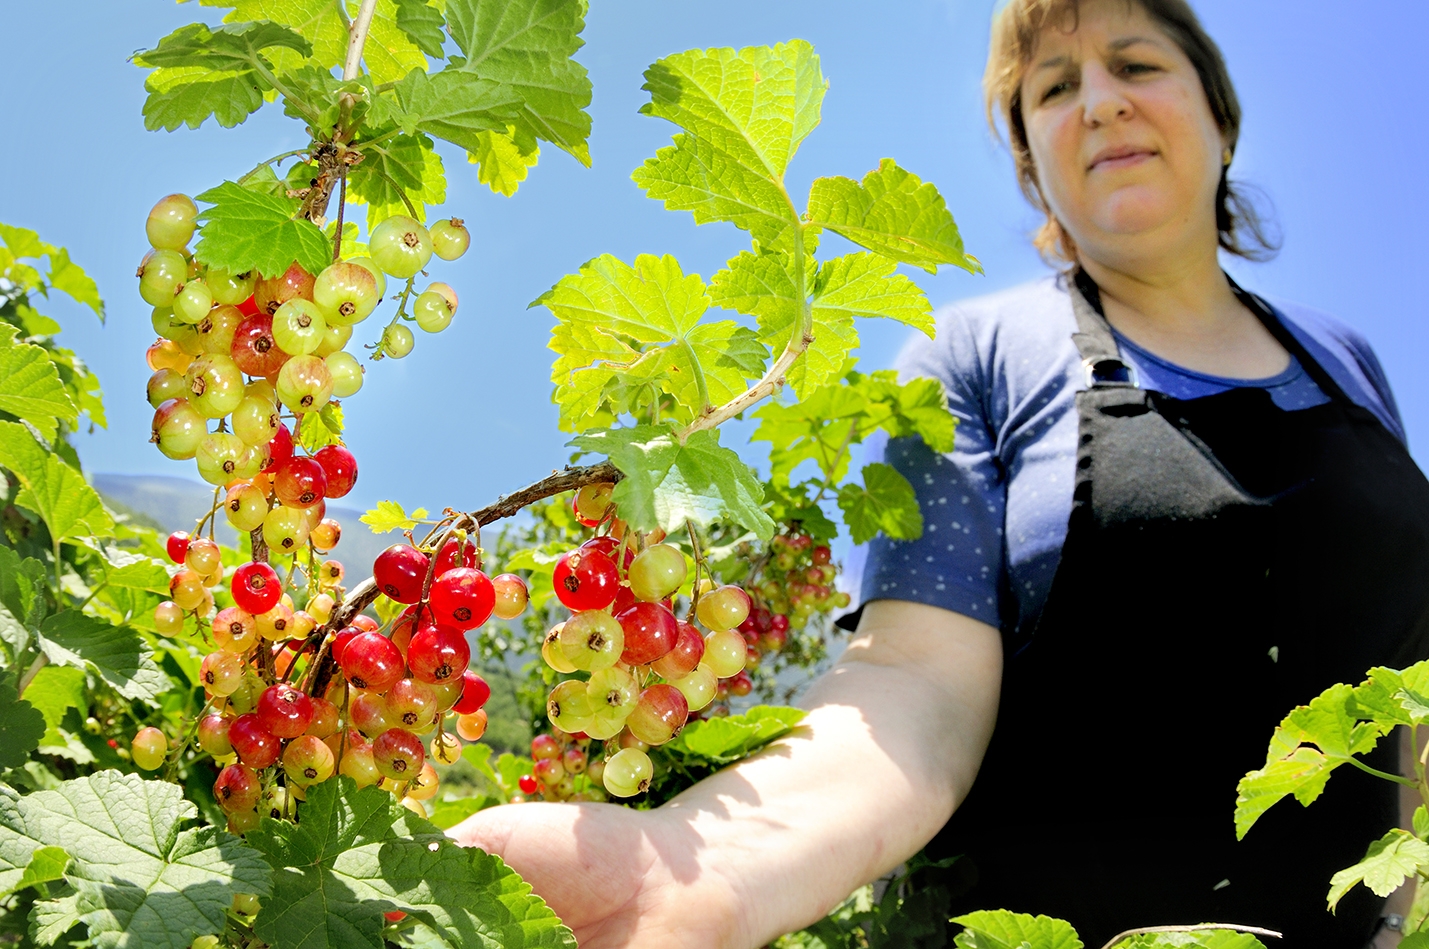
[
  {"x": 341, "y": 206},
  {"x": 1197, "y": 927},
  {"x": 40, "y": 662}
]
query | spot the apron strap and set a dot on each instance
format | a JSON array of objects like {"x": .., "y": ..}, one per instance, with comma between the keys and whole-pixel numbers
[{"x": 1101, "y": 357}]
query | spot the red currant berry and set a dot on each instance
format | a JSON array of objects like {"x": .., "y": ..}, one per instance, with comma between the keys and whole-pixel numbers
[
  {"x": 284, "y": 711},
  {"x": 280, "y": 448},
  {"x": 325, "y": 719},
  {"x": 463, "y": 598},
  {"x": 680, "y": 661},
  {"x": 256, "y": 746},
  {"x": 366, "y": 623},
  {"x": 651, "y": 631},
  {"x": 610, "y": 547},
  {"x": 256, "y": 588},
  {"x": 398, "y": 754},
  {"x": 340, "y": 641},
  {"x": 474, "y": 693},
  {"x": 213, "y": 735},
  {"x": 821, "y": 555},
  {"x": 585, "y": 580},
  {"x": 178, "y": 546},
  {"x": 341, "y": 469},
  {"x": 454, "y": 553},
  {"x": 545, "y": 746},
  {"x": 237, "y": 789},
  {"x": 740, "y": 684},
  {"x": 300, "y": 482},
  {"x": 248, "y": 307},
  {"x": 527, "y": 784},
  {"x": 438, "y": 653},
  {"x": 400, "y": 571},
  {"x": 254, "y": 348},
  {"x": 659, "y": 715},
  {"x": 779, "y": 623},
  {"x": 372, "y": 661}
]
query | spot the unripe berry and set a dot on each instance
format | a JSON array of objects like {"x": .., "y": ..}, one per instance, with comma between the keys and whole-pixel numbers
[
  {"x": 308, "y": 761},
  {"x": 398, "y": 754},
  {"x": 472, "y": 727},
  {"x": 149, "y": 748},
  {"x": 237, "y": 789}
]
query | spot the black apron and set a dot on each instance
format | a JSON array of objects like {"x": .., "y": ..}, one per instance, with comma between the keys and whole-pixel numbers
[{"x": 1225, "y": 561}]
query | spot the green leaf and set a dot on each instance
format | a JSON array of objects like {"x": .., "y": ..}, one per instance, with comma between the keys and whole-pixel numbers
[
  {"x": 527, "y": 45},
  {"x": 893, "y": 213},
  {"x": 1421, "y": 822},
  {"x": 55, "y": 690},
  {"x": 139, "y": 878},
  {"x": 221, "y": 73},
  {"x": 403, "y": 165},
  {"x": 1293, "y": 766},
  {"x": 1388, "y": 862},
  {"x": 867, "y": 285},
  {"x": 455, "y": 105},
  {"x": 1203, "y": 939},
  {"x": 22, "y": 592},
  {"x": 52, "y": 489},
  {"x": 641, "y": 323},
  {"x": 422, "y": 23},
  {"x": 30, "y": 386},
  {"x": 47, "y": 864},
  {"x": 320, "y": 429},
  {"x": 391, "y": 516},
  {"x": 388, "y": 55},
  {"x": 505, "y": 159},
  {"x": 21, "y": 728},
  {"x": 124, "y": 568},
  {"x": 744, "y": 115},
  {"x": 1000, "y": 929},
  {"x": 249, "y": 230},
  {"x": 729, "y": 738},
  {"x": 667, "y": 484},
  {"x": 447, "y": 814},
  {"x": 68, "y": 276},
  {"x": 115, "y": 653},
  {"x": 884, "y": 502},
  {"x": 358, "y": 854}
]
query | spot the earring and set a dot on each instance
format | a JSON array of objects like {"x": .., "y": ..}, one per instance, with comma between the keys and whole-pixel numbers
[{"x": 1226, "y": 156}]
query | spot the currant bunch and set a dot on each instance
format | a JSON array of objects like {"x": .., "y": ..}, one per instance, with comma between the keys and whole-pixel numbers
[
  {"x": 792, "y": 582},
  {"x": 563, "y": 769},
  {"x": 639, "y": 670}
]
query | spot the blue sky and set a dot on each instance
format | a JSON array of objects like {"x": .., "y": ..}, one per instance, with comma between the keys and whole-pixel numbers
[{"x": 1334, "y": 134}]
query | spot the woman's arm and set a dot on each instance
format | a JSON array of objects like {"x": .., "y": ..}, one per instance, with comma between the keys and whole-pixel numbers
[{"x": 893, "y": 739}]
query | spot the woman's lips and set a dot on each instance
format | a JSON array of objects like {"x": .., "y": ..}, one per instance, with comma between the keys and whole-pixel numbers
[{"x": 1121, "y": 158}]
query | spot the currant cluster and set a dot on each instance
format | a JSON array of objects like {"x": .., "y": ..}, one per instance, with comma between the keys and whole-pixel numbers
[
  {"x": 645, "y": 670},
  {"x": 563, "y": 769},
  {"x": 791, "y": 583}
]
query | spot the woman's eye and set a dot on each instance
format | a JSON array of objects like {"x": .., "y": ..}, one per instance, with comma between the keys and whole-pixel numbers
[
  {"x": 1056, "y": 90},
  {"x": 1138, "y": 69}
]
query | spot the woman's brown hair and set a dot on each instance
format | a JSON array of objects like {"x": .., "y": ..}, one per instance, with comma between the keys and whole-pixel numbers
[{"x": 1015, "y": 29}]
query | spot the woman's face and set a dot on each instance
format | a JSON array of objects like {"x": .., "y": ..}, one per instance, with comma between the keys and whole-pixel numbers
[{"x": 1127, "y": 153}]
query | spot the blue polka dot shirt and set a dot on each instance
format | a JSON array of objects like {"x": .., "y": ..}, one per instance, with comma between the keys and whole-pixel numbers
[{"x": 995, "y": 508}]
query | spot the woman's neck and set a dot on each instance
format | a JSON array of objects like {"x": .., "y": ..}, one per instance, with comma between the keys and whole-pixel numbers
[{"x": 1185, "y": 311}]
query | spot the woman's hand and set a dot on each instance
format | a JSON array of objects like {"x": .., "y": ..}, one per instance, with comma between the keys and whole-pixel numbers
[{"x": 617, "y": 877}]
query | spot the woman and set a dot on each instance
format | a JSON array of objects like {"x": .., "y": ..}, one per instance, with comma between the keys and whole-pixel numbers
[{"x": 1173, "y": 513}]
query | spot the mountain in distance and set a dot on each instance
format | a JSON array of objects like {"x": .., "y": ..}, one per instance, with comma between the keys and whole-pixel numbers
[{"x": 176, "y": 504}]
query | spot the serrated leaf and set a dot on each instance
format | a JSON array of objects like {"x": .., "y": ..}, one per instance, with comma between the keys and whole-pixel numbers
[
  {"x": 21, "y": 728},
  {"x": 124, "y": 568},
  {"x": 139, "y": 878},
  {"x": 388, "y": 54},
  {"x": 891, "y": 212},
  {"x": 221, "y": 73},
  {"x": 22, "y": 592},
  {"x": 867, "y": 285},
  {"x": 667, "y": 484},
  {"x": 422, "y": 24},
  {"x": 504, "y": 159},
  {"x": 391, "y": 516},
  {"x": 885, "y": 503},
  {"x": 744, "y": 114},
  {"x": 402, "y": 165},
  {"x": 30, "y": 386},
  {"x": 249, "y": 230},
  {"x": 641, "y": 323},
  {"x": 52, "y": 489},
  {"x": 1199, "y": 939},
  {"x": 1001, "y": 929},
  {"x": 1388, "y": 862},
  {"x": 68, "y": 276},
  {"x": 729, "y": 738},
  {"x": 455, "y": 105},
  {"x": 320, "y": 429},
  {"x": 24, "y": 242},
  {"x": 55, "y": 690},
  {"x": 115, "y": 653},
  {"x": 358, "y": 854},
  {"x": 447, "y": 814},
  {"x": 527, "y": 45}
]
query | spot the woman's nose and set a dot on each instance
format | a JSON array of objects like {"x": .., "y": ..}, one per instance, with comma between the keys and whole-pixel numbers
[{"x": 1102, "y": 98}]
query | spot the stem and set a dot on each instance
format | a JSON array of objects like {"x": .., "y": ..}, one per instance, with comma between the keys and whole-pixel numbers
[
  {"x": 40, "y": 662},
  {"x": 699, "y": 562},
  {"x": 357, "y": 34},
  {"x": 59, "y": 581},
  {"x": 341, "y": 206},
  {"x": 402, "y": 192},
  {"x": 261, "y": 69},
  {"x": 832, "y": 469},
  {"x": 699, "y": 373},
  {"x": 1397, "y": 779},
  {"x": 1189, "y": 929},
  {"x": 264, "y": 164},
  {"x": 774, "y": 379}
]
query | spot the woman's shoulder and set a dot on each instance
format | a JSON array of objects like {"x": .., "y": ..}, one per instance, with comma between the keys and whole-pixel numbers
[
  {"x": 1346, "y": 355},
  {"x": 1027, "y": 327}
]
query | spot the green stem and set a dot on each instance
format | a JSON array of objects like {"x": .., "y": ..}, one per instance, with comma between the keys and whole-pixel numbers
[
  {"x": 40, "y": 662},
  {"x": 411, "y": 208},
  {"x": 1396, "y": 778},
  {"x": 699, "y": 372},
  {"x": 307, "y": 111},
  {"x": 832, "y": 469},
  {"x": 264, "y": 164}
]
